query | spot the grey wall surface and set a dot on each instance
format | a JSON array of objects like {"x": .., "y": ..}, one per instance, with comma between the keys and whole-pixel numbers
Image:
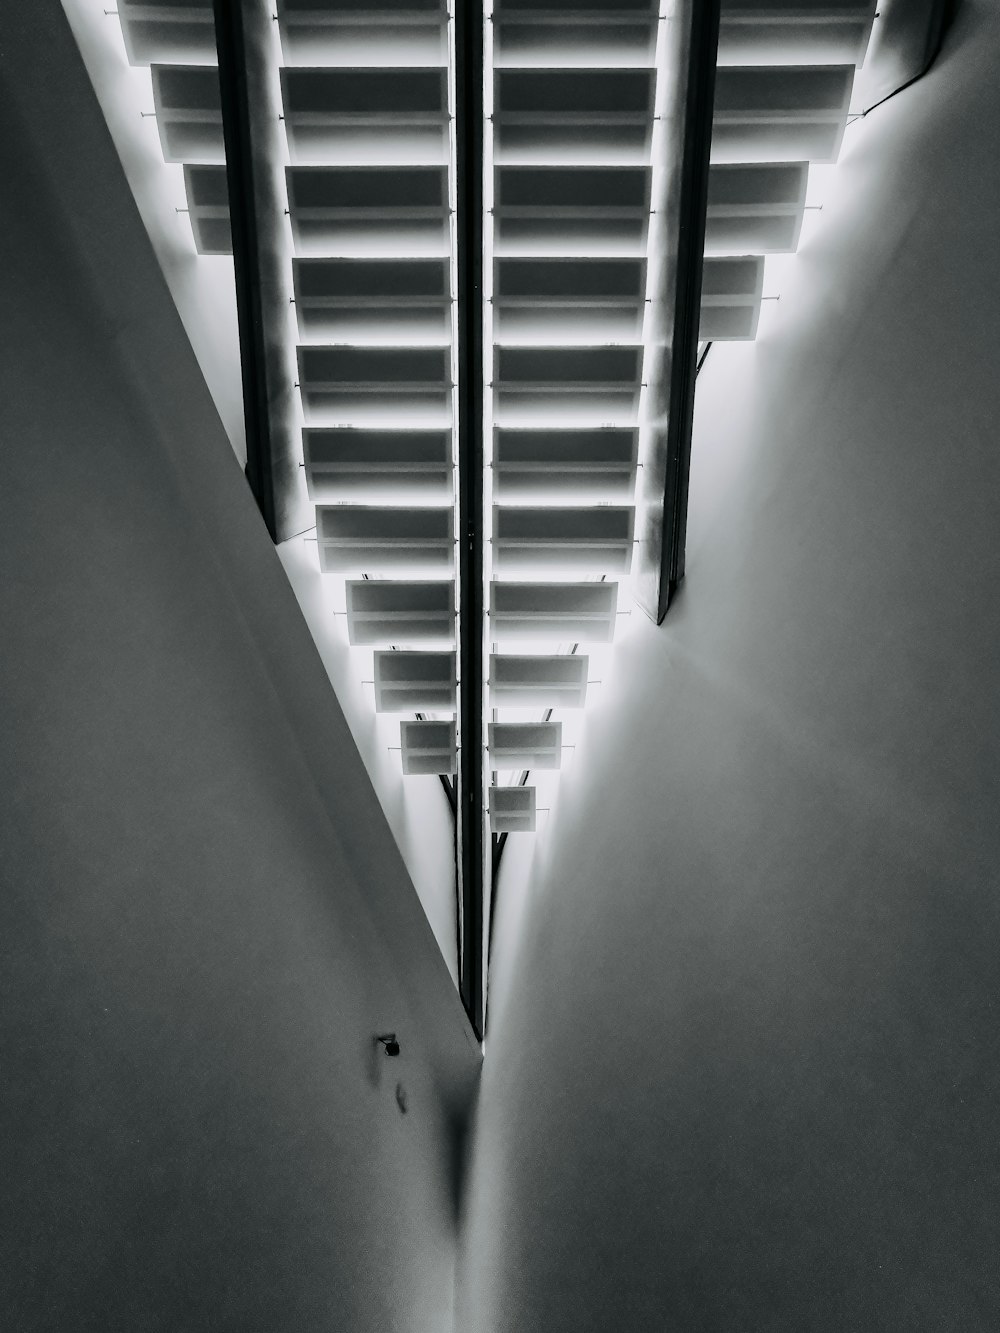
[
  {"x": 743, "y": 1065},
  {"x": 203, "y": 917}
]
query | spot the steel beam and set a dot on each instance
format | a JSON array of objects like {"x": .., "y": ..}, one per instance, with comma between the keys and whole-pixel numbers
[
  {"x": 251, "y": 129},
  {"x": 686, "y": 91},
  {"x": 470, "y": 842}
]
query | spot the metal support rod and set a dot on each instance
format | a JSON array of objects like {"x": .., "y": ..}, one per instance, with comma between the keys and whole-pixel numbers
[{"x": 470, "y": 847}]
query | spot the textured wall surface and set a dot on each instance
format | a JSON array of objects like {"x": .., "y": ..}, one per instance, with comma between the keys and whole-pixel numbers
[{"x": 742, "y": 1065}]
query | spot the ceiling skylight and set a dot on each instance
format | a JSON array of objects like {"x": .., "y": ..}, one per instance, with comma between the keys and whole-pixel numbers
[{"x": 388, "y": 300}]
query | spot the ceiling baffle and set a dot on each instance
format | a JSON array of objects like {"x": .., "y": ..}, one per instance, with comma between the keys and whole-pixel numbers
[{"x": 439, "y": 323}]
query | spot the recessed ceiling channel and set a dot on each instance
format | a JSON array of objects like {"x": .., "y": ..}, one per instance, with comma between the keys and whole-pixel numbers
[{"x": 476, "y": 250}]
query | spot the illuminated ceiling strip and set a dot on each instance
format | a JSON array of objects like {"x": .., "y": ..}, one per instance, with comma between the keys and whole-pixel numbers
[{"x": 390, "y": 286}]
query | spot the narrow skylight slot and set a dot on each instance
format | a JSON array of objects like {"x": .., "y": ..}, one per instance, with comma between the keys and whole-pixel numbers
[
  {"x": 579, "y": 291},
  {"x": 188, "y": 113}
]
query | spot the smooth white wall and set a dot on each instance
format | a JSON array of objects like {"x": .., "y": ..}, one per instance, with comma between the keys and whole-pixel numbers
[
  {"x": 743, "y": 1059},
  {"x": 204, "y": 919}
]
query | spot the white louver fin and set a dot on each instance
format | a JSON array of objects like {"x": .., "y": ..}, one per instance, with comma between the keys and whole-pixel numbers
[
  {"x": 428, "y": 747},
  {"x": 591, "y": 210},
  {"x": 366, "y": 297},
  {"x": 545, "y": 296},
  {"x": 553, "y": 611},
  {"x": 399, "y": 611},
  {"x": 392, "y": 115},
  {"x": 345, "y": 461},
  {"x": 366, "y": 210},
  {"x": 537, "y": 681},
  {"x": 779, "y": 32},
  {"x": 755, "y": 208},
  {"x": 519, "y": 745},
  {"x": 512, "y": 809},
  {"x": 189, "y": 113},
  {"x": 415, "y": 682},
  {"x": 780, "y": 113},
  {"x": 542, "y": 379},
  {"x": 570, "y": 287},
  {"x": 585, "y": 463},
  {"x": 730, "y": 297},
  {"x": 568, "y": 146},
  {"x": 367, "y": 116},
  {"x": 597, "y": 538},
  {"x": 373, "y": 537},
  {"x": 179, "y": 32},
  {"x": 538, "y": 113},
  {"x": 408, "y": 32},
  {"x": 356, "y": 379},
  {"x": 529, "y": 33},
  {"x": 208, "y": 208},
  {"x": 370, "y": 299}
]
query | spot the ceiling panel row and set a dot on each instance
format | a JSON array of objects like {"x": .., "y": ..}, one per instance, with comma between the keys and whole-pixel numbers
[{"x": 367, "y": 94}]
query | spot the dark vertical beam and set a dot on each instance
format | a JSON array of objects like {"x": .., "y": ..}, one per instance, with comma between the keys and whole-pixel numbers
[
  {"x": 677, "y": 244},
  {"x": 471, "y": 425},
  {"x": 251, "y": 131}
]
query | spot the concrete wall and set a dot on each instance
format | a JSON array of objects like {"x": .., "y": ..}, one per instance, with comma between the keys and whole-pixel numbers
[
  {"x": 204, "y": 919},
  {"x": 743, "y": 1060}
]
